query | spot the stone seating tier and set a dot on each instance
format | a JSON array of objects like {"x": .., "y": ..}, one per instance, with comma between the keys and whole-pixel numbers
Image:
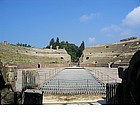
[{"x": 115, "y": 53}]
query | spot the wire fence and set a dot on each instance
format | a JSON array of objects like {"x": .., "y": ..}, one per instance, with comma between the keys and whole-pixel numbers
[
  {"x": 101, "y": 76},
  {"x": 113, "y": 93},
  {"x": 47, "y": 74},
  {"x": 68, "y": 87}
]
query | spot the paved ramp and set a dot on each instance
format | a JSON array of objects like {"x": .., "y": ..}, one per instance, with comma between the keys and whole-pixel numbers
[{"x": 73, "y": 81}]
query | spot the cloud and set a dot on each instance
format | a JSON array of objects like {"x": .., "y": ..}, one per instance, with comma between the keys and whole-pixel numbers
[
  {"x": 85, "y": 18},
  {"x": 111, "y": 31},
  {"x": 114, "y": 28},
  {"x": 126, "y": 32},
  {"x": 117, "y": 30},
  {"x": 133, "y": 18},
  {"x": 91, "y": 40}
]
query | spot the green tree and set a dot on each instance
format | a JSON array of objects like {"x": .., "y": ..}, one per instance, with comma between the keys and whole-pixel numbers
[
  {"x": 52, "y": 43},
  {"x": 82, "y": 46},
  {"x": 74, "y": 51},
  {"x": 57, "y": 42},
  {"x": 80, "y": 49}
]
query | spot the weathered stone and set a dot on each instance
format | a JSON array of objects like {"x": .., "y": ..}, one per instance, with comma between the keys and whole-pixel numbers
[
  {"x": 5, "y": 43},
  {"x": 7, "y": 95},
  {"x": 119, "y": 54},
  {"x": 131, "y": 81},
  {"x": 32, "y": 97}
]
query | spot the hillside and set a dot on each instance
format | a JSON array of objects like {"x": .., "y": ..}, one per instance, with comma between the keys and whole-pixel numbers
[{"x": 19, "y": 55}]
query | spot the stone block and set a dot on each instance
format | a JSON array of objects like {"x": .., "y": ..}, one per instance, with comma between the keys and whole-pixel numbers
[{"x": 32, "y": 97}]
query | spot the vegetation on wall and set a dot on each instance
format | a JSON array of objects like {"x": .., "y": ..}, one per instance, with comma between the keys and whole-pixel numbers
[
  {"x": 73, "y": 50},
  {"x": 24, "y": 45}
]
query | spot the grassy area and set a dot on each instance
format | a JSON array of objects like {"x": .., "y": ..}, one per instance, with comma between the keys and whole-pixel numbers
[{"x": 11, "y": 54}]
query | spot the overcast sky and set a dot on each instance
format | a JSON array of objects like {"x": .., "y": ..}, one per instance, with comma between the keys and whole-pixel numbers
[{"x": 35, "y": 22}]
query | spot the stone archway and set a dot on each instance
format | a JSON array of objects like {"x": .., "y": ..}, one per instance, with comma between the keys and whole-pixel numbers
[{"x": 39, "y": 66}]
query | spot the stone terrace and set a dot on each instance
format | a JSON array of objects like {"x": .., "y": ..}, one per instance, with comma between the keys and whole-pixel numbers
[
  {"x": 116, "y": 53},
  {"x": 25, "y": 57}
]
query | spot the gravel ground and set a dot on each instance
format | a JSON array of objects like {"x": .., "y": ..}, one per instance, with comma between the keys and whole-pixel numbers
[{"x": 74, "y": 99}]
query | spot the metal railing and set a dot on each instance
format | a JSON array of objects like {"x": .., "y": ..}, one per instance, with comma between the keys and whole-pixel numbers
[
  {"x": 103, "y": 77},
  {"x": 62, "y": 86},
  {"x": 113, "y": 93},
  {"x": 46, "y": 75}
]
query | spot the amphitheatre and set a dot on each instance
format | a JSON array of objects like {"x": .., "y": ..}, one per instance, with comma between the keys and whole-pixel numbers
[
  {"x": 24, "y": 57},
  {"x": 104, "y": 55},
  {"x": 114, "y": 55},
  {"x": 47, "y": 76}
]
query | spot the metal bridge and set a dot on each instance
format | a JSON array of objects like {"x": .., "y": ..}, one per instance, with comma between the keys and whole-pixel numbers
[{"x": 74, "y": 81}]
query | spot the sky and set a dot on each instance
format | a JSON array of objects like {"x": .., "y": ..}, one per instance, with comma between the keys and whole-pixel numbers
[{"x": 36, "y": 22}]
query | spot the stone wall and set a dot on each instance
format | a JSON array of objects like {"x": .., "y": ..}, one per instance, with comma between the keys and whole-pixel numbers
[
  {"x": 40, "y": 65},
  {"x": 32, "y": 57},
  {"x": 110, "y": 54},
  {"x": 127, "y": 92},
  {"x": 131, "y": 80}
]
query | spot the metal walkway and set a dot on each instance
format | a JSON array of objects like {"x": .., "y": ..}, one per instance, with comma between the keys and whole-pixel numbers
[{"x": 74, "y": 81}]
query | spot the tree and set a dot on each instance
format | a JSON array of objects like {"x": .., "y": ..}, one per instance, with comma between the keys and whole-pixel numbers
[
  {"x": 80, "y": 49},
  {"x": 57, "y": 42},
  {"x": 52, "y": 43},
  {"x": 82, "y": 46},
  {"x": 74, "y": 51}
]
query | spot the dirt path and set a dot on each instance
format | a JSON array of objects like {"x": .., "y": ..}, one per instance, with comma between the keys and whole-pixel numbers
[{"x": 69, "y": 99}]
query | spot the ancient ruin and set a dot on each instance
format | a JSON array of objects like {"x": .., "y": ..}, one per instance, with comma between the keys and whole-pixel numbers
[
  {"x": 24, "y": 57},
  {"x": 110, "y": 55},
  {"x": 27, "y": 75}
]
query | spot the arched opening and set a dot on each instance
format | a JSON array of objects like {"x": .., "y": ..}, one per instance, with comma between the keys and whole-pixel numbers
[
  {"x": 87, "y": 58},
  {"x": 39, "y": 66},
  {"x": 62, "y": 58},
  {"x": 110, "y": 65},
  {"x": 124, "y": 44}
]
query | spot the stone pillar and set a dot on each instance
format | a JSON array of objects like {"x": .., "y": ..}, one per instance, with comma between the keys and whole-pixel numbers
[
  {"x": 5, "y": 43},
  {"x": 11, "y": 75},
  {"x": 57, "y": 47},
  {"x": 51, "y": 47}
]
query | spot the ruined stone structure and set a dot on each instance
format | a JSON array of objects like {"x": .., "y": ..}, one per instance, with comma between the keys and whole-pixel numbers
[
  {"x": 127, "y": 92},
  {"x": 110, "y": 55},
  {"x": 131, "y": 80},
  {"x": 24, "y": 57},
  {"x": 7, "y": 84},
  {"x": 12, "y": 92},
  {"x": 5, "y": 43}
]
